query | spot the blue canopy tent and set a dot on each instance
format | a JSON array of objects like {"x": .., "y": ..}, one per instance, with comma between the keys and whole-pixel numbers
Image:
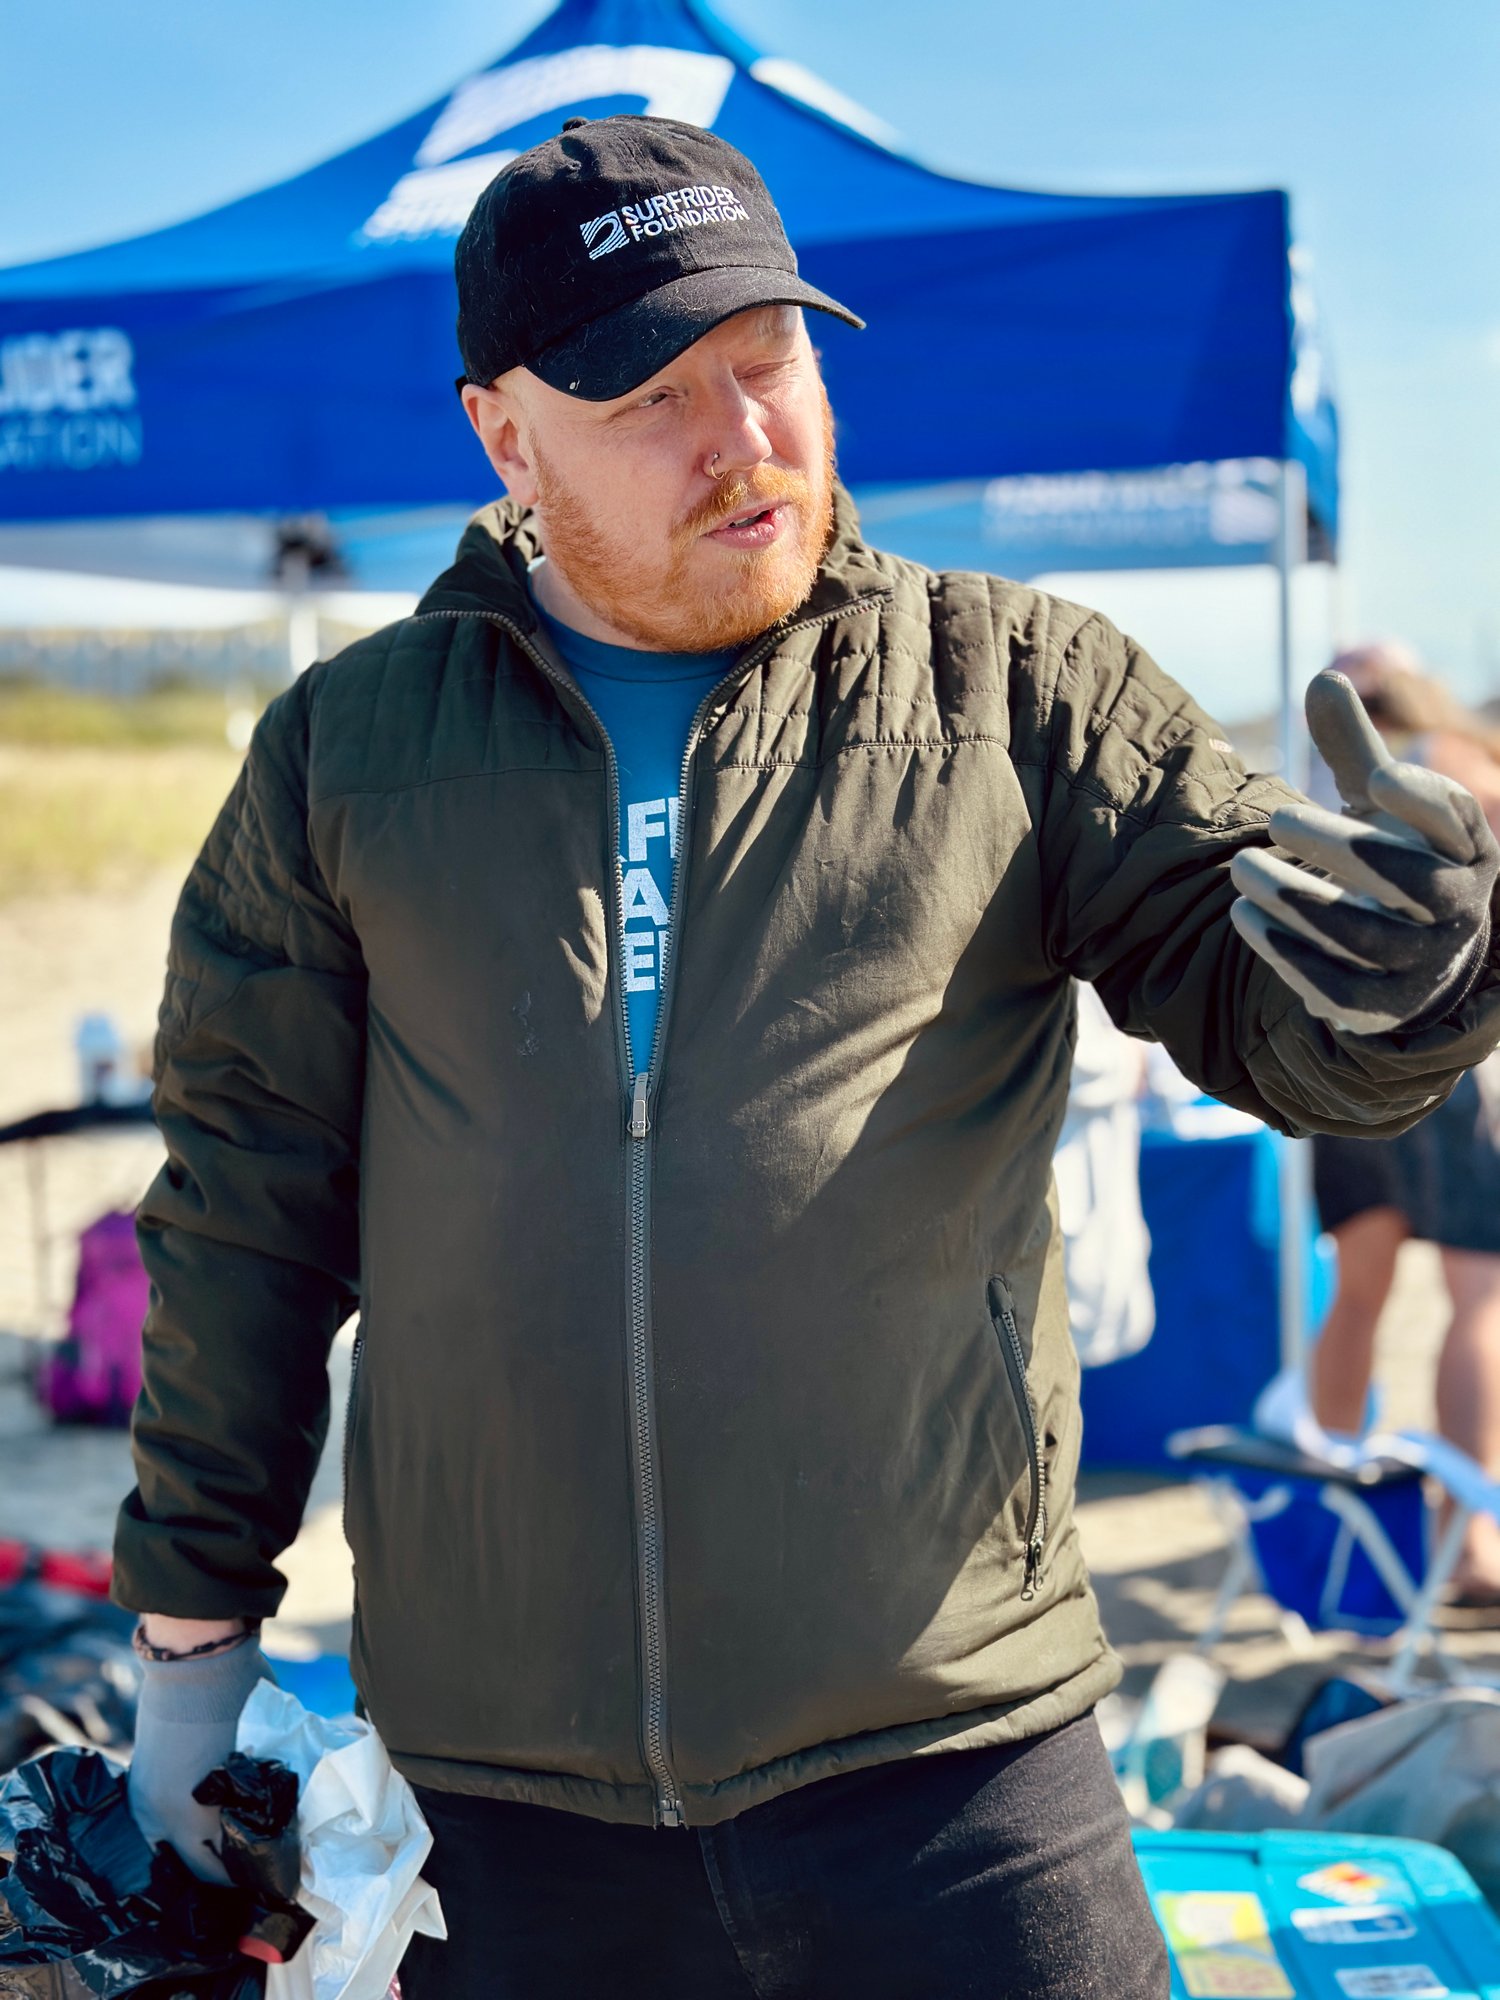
[{"x": 291, "y": 354}]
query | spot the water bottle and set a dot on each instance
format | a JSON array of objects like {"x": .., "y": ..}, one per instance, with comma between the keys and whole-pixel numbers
[{"x": 101, "y": 1057}]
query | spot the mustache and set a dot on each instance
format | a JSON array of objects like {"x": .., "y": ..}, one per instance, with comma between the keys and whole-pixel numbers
[{"x": 743, "y": 493}]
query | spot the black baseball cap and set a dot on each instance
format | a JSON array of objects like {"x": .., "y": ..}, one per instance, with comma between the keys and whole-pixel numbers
[{"x": 597, "y": 257}]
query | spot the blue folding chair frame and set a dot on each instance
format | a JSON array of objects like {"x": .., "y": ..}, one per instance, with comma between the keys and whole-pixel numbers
[{"x": 1252, "y": 1480}]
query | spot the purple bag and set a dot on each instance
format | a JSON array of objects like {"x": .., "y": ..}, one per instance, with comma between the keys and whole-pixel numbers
[{"x": 93, "y": 1375}]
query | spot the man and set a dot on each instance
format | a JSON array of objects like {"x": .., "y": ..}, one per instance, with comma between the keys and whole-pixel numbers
[{"x": 640, "y": 981}]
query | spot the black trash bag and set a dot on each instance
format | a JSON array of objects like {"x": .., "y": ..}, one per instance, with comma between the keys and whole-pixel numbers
[
  {"x": 260, "y": 1851},
  {"x": 89, "y": 1912},
  {"x": 67, "y": 1673}
]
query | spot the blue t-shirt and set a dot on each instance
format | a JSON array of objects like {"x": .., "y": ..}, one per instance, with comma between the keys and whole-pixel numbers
[{"x": 646, "y": 702}]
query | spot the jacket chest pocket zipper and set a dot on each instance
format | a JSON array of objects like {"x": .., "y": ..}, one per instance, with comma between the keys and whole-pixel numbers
[{"x": 1003, "y": 1316}]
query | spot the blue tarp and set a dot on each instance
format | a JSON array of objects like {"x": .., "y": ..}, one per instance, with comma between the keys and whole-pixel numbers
[
  {"x": 1212, "y": 1206},
  {"x": 293, "y": 352}
]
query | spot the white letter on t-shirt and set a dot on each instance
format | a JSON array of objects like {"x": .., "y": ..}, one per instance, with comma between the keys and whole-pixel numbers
[
  {"x": 640, "y": 969},
  {"x": 644, "y": 821},
  {"x": 642, "y": 897}
]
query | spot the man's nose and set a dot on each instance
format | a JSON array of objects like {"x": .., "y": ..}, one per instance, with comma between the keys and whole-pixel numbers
[{"x": 735, "y": 432}]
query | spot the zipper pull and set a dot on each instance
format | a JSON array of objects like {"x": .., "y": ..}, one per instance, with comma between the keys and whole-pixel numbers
[
  {"x": 640, "y": 1124},
  {"x": 1032, "y": 1575},
  {"x": 671, "y": 1813}
]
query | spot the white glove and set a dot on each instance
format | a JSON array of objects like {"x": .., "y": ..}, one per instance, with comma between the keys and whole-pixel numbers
[{"x": 185, "y": 1728}]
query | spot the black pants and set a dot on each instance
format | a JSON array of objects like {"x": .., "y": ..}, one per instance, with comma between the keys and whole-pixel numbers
[{"x": 1006, "y": 1873}]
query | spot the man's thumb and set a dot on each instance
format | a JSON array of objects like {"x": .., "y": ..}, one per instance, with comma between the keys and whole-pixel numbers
[{"x": 1346, "y": 739}]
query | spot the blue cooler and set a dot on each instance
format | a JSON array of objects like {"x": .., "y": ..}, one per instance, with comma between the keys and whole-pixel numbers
[{"x": 1318, "y": 1916}]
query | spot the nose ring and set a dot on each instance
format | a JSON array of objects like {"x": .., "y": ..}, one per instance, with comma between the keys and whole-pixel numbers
[{"x": 711, "y": 464}]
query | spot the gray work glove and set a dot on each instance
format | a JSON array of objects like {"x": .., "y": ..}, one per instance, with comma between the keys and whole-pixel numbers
[
  {"x": 1380, "y": 918},
  {"x": 184, "y": 1729}
]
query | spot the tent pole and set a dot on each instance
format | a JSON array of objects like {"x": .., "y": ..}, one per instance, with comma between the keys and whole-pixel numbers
[
  {"x": 1293, "y": 1156},
  {"x": 301, "y": 632},
  {"x": 301, "y": 611},
  {"x": 1338, "y": 631},
  {"x": 1291, "y": 550}
]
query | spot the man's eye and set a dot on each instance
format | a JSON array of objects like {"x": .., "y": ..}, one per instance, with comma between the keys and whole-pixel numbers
[
  {"x": 656, "y": 396},
  {"x": 765, "y": 371}
]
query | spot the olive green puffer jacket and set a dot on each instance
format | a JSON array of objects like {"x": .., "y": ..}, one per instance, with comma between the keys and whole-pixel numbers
[{"x": 713, "y": 1429}]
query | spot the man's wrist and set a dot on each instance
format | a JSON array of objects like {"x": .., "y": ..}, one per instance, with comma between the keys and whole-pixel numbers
[{"x": 180, "y": 1638}]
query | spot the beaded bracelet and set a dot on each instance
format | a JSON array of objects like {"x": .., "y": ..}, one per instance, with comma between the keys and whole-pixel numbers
[{"x": 147, "y": 1651}]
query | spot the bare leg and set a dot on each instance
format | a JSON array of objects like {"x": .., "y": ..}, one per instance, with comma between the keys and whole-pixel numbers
[
  {"x": 1468, "y": 1395},
  {"x": 1343, "y": 1356}
]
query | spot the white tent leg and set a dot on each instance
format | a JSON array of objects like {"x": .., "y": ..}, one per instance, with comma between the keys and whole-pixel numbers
[
  {"x": 301, "y": 632},
  {"x": 1338, "y": 610},
  {"x": 1294, "y": 1188},
  {"x": 1293, "y": 1161},
  {"x": 1291, "y": 550}
]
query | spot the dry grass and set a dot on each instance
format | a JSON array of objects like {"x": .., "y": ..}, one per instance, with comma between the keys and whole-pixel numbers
[
  {"x": 87, "y": 818},
  {"x": 97, "y": 792},
  {"x": 39, "y": 713}
]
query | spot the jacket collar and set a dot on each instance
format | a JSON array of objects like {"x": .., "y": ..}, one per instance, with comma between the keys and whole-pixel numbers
[{"x": 488, "y": 575}]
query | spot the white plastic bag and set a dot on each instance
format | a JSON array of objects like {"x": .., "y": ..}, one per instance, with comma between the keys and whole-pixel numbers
[
  {"x": 363, "y": 1844},
  {"x": 1426, "y": 1769},
  {"x": 1097, "y": 1169}
]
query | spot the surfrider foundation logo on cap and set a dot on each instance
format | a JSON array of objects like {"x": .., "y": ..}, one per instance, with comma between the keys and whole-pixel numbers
[
  {"x": 658, "y": 214},
  {"x": 603, "y": 234}
]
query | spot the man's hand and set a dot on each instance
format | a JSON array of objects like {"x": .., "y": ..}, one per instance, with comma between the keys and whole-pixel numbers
[{"x": 1380, "y": 919}]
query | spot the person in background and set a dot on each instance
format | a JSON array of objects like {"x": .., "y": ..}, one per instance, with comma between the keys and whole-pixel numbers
[{"x": 1440, "y": 1181}]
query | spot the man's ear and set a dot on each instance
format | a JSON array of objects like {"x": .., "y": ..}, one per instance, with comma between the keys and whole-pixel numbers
[{"x": 494, "y": 417}]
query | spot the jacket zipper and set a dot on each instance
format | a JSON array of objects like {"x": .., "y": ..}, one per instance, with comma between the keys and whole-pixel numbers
[
  {"x": 668, "y": 1805},
  {"x": 1003, "y": 1314},
  {"x": 354, "y": 1361},
  {"x": 642, "y": 1085}
]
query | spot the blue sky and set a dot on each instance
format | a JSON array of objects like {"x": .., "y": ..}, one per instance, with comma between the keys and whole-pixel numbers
[{"x": 1380, "y": 119}]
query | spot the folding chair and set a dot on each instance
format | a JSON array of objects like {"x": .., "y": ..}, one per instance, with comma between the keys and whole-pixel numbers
[{"x": 1340, "y": 1545}]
